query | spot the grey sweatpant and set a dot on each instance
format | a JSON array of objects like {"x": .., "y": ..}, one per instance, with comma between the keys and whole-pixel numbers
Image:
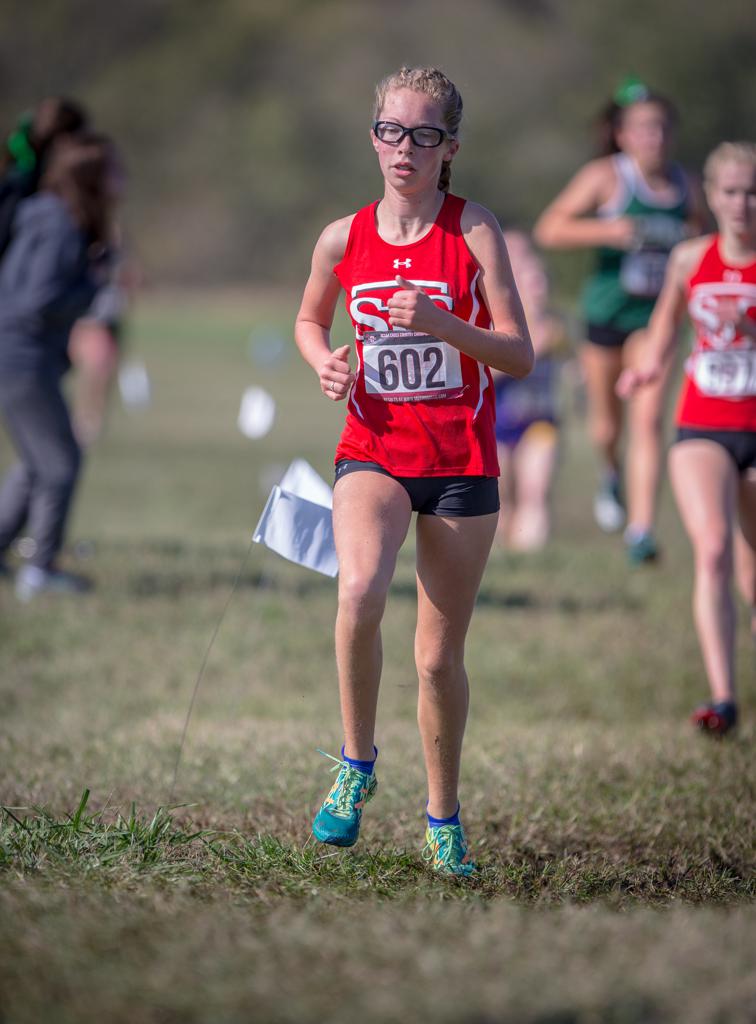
[{"x": 36, "y": 492}]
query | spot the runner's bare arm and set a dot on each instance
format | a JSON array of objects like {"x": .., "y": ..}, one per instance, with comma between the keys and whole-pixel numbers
[
  {"x": 312, "y": 330},
  {"x": 663, "y": 327},
  {"x": 570, "y": 221},
  {"x": 506, "y": 345}
]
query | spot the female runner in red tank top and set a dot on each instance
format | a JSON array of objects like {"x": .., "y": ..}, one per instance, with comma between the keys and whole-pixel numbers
[
  {"x": 713, "y": 461},
  {"x": 431, "y": 296}
]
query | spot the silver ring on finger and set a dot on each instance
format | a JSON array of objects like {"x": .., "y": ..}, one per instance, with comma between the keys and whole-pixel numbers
[{"x": 332, "y": 385}]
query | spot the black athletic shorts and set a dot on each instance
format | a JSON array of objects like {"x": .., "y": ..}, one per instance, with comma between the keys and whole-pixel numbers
[
  {"x": 740, "y": 445},
  {"x": 606, "y": 336},
  {"x": 450, "y": 496}
]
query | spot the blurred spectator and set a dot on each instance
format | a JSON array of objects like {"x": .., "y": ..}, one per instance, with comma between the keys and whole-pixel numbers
[
  {"x": 96, "y": 338},
  {"x": 23, "y": 157},
  {"x": 56, "y": 259}
]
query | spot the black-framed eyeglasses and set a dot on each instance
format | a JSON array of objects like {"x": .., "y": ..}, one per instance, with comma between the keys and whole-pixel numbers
[{"x": 424, "y": 136}]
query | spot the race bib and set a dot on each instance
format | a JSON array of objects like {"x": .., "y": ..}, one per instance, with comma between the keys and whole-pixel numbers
[
  {"x": 406, "y": 366},
  {"x": 725, "y": 374},
  {"x": 642, "y": 273}
]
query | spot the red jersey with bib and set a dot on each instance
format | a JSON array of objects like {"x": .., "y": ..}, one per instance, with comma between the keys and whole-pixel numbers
[
  {"x": 719, "y": 388},
  {"x": 418, "y": 407}
]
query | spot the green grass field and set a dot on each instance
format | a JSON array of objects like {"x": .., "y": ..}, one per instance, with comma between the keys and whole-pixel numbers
[{"x": 616, "y": 846}]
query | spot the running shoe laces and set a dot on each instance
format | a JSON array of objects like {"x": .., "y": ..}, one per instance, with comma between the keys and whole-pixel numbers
[
  {"x": 349, "y": 792},
  {"x": 447, "y": 851},
  {"x": 338, "y": 820}
]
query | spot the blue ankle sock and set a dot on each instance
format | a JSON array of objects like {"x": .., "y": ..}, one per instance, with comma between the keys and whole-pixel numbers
[
  {"x": 436, "y": 822},
  {"x": 361, "y": 766},
  {"x": 727, "y": 709}
]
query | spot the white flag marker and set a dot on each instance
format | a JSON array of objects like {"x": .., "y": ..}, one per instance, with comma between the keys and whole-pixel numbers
[
  {"x": 301, "y": 479},
  {"x": 297, "y": 523},
  {"x": 256, "y": 413}
]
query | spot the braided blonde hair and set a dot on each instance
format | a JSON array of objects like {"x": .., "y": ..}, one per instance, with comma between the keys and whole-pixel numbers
[{"x": 437, "y": 86}]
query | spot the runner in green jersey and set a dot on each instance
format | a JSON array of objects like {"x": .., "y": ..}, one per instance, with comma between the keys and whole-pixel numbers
[
  {"x": 621, "y": 292},
  {"x": 632, "y": 205}
]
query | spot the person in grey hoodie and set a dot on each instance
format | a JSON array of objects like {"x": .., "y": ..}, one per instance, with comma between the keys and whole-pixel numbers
[
  {"x": 23, "y": 155},
  {"x": 55, "y": 261}
]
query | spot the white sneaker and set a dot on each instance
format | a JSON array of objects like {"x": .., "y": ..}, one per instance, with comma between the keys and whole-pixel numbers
[
  {"x": 31, "y": 581},
  {"x": 608, "y": 509}
]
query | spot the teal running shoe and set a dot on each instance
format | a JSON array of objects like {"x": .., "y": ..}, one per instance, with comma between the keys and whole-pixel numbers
[
  {"x": 447, "y": 851},
  {"x": 641, "y": 547},
  {"x": 338, "y": 820}
]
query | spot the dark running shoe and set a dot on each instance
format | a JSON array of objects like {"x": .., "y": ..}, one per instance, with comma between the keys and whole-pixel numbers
[{"x": 716, "y": 719}]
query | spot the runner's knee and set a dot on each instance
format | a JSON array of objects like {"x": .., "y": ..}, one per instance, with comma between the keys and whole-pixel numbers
[
  {"x": 605, "y": 431},
  {"x": 713, "y": 556},
  {"x": 362, "y": 598},
  {"x": 646, "y": 423},
  {"x": 437, "y": 665}
]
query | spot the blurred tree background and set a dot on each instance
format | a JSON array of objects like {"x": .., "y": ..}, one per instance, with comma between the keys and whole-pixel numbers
[{"x": 244, "y": 123}]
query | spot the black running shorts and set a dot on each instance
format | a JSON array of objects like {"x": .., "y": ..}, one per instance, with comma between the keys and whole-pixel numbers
[
  {"x": 606, "y": 336},
  {"x": 449, "y": 496},
  {"x": 740, "y": 445}
]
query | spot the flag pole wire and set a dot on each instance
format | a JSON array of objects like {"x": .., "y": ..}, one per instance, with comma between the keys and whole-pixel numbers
[{"x": 201, "y": 672}]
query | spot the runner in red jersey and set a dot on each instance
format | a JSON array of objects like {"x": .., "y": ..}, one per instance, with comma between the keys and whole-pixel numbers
[
  {"x": 430, "y": 292},
  {"x": 419, "y": 407},
  {"x": 713, "y": 461}
]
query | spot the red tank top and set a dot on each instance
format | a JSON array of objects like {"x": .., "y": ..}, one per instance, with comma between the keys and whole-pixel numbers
[
  {"x": 418, "y": 406},
  {"x": 719, "y": 388}
]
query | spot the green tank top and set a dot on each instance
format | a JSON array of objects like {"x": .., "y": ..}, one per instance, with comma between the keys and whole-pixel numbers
[{"x": 623, "y": 288}]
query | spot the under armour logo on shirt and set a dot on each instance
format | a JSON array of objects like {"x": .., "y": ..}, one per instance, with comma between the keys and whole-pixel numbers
[{"x": 402, "y": 263}]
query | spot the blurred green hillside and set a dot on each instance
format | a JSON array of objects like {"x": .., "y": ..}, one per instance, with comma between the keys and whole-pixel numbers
[{"x": 244, "y": 122}]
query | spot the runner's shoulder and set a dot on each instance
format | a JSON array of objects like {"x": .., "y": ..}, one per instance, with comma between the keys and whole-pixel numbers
[
  {"x": 332, "y": 243},
  {"x": 600, "y": 175},
  {"x": 687, "y": 255},
  {"x": 475, "y": 215},
  {"x": 480, "y": 228}
]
